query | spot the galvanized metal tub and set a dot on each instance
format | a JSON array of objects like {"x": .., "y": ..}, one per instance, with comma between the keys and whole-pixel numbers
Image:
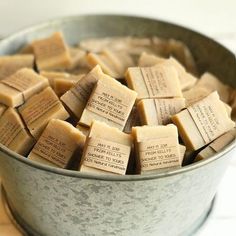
[{"x": 49, "y": 201}]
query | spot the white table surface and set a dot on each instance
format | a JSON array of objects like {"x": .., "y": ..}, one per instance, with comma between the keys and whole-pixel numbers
[{"x": 215, "y": 18}]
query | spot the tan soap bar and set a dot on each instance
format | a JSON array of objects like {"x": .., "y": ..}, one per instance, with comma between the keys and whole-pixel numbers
[
  {"x": 133, "y": 120},
  {"x": 40, "y": 109},
  {"x": 2, "y": 109},
  {"x": 154, "y": 82},
  {"x": 110, "y": 102},
  {"x": 182, "y": 150},
  {"x": 156, "y": 147},
  {"x": 13, "y": 133},
  {"x": 203, "y": 122},
  {"x": 85, "y": 130},
  {"x": 147, "y": 60},
  {"x": 58, "y": 143},
  {"x": 52, "y": 53},
  {"x": 10, "y": 64},
  {"x": 76, "y": 98},
  {"x": 107, "y": 150},
  {"x": 78, "y": 58},
  {"x": 212, "y": 83},
  {"x": 19, "y": 87},
  {"x": 159, "y": 111},
  {"x": 217, "y": 145}
]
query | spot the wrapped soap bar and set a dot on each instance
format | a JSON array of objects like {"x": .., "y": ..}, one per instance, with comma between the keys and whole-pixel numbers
[
  {"x": 110, "y": 102},
  {"x": 212, "y": 83},
  {"x": 11, "y": 64},
  {"x": 40, "y": 109},
  {"x": 13, "y": 133},
  {"x": 159, "y": 111},
  {"x": 154, "y": 82},
  {"x": 107, "y": 150},
  {"x": 2, "y": 109},
  {"x": 203, "y": 122},
  {"x": 58, "y": 144},
  {"x": 156, "y": 147},
  {"x": 52, "y": 53},
  {"x": 217, "y": 145},
  {"x": 19, "y": 87}
]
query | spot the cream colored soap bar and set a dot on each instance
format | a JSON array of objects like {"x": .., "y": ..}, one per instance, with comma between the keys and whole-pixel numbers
[
  {"x": 212, "y": 83},
  {"x": 217, "y": 145},
  {"x": 147, "y": 60},
  {"x": 13, "y": 133},
  {"x": 19, "y": 87},
  {"x": 2, "y": 109},
  {"x": 159, "y": 111},
  {"x": 52, "y": 53},
  {"x": 78, "y": 58},
  {"x": 107, "y": 150},
  {"x": 40, "y": 109},
  {"x": 57, "y": 144},
  {"x": 154, "y": 82},
  {"x": 10, "y": 64},
  {"x": 110, "y": 102},
  {"x": 203, "y": 122},
  {"x": 182, "y": 150},
  {"x": 133, "y": 120},
  {"x": 85, "y": 130},
  {"x": 76, "y": 98},
  {"x": 156, "y": 147}
]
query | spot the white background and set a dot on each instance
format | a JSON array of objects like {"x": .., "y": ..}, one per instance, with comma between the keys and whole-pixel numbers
[{"x": 214, "y": 18}]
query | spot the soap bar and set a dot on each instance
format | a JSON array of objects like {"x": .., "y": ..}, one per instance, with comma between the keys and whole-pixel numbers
[
  {"x": 10, "y": 64},
  {"x": 156, "y": 147},
  {"x": 40, "y": 109},
  {"x": 154, "y": 82},
  {"x": 13, "y": 133},
  {"x": 52, "y": 53},
  {"x": 57, "y": 144},
  {"x": 217, "y": 145},
  {"x": 182, "y": 150},
  {"x": 2, "y": 109},
  {"x": 212, "y": 83},
  {"x": 110, "y": 102},
  {"x": 76, "y": 98},
  {"x": 19, "y": 87},
  {"x": 78, "y": 58},
  {"x": 133, "y": 120},
  {"x": 107, "y": 149},
  {"x": 158, "y": 111},
  {"x": 62, "y": 85},
  {"x": 85, "y": 130},
  {"x": 203, "y": 122},
  {"x": 147, "y": 60}
]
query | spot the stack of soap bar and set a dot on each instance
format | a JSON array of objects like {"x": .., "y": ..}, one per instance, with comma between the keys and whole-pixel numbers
[
  {"x": 154, "y": 82},
  {"x": 58, "y": 144},
  {"x": 51, "y": 53},
  {"x": 156, "y": 147},
  {"x": 19, "y": 87},
  {"x": 211, "y": 83},
  {"x": 10, "y": 64},
  {"x": 40, "y": 109},
  {"x": 112, "y": 63},
  {"x": 2, "y": 109},
  {"x": 159, "y": 111},
  {"x": 13, "y": 133},
  {"x": 106, "y": 150},
  {"x": 203, "y": 122},
  {"x": 76, "y": 98},
  {"x": 110, "y": 102},
  {"x": 217, "y": 145}
]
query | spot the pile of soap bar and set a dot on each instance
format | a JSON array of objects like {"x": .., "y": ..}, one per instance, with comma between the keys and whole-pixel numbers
[{"x": 116, "y": 106}]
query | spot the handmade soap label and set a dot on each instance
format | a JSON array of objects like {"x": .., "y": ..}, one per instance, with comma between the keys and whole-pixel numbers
[
  {"x": 159, "y": 153},
  {"x": 54, "y": 148},
  {"x": 208, "y": 117},
  {"x": 39, "y": 107},
  {"x": 106, "y": 155},
  {"x": 109, "y": 103},
  {"x": 158, "y": 82},
  {"x": 165, "y": 108}
]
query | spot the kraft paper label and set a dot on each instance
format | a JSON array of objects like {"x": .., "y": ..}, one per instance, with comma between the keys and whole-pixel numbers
[
  {"x": 106, "y": 155},
  {"x": 9, "y": 129},
  {"x": 38, "y": 108},
  {"x": 165, "y": 108},
  {"x": 208, "y": 117},
  {"x": 157, "y": 82},
  {"x": 55, "y": 148},
  {"x": 159, "y": 153},
  {"x": 109, "y": 103}
]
